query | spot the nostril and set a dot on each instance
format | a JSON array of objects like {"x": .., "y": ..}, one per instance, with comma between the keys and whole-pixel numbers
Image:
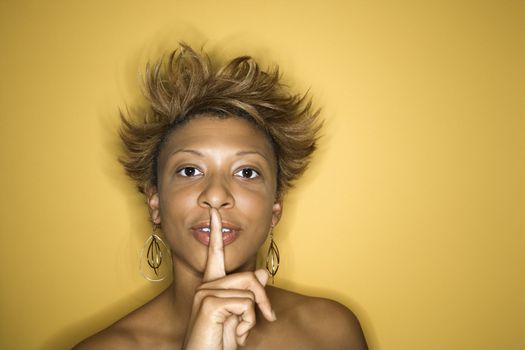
[
  {"x": 216, "y": 195},
  {"x": 227, "y": 204}
]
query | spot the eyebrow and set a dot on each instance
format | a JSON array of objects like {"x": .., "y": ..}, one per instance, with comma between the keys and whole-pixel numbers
[
  {"x": 200, "y": 154},
  {"x": 243, "y": 153},
  {"x": 192, "y": 151}
]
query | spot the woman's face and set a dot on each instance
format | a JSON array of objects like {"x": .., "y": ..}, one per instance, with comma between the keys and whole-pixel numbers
[{"x": 223, "y": 163}]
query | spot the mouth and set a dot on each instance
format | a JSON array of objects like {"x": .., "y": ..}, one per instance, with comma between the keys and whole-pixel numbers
[{"x": 202, "y": 232}]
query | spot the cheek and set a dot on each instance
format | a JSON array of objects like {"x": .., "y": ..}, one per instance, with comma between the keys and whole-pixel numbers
[
  {"x": 257, "y": 206},
  {"x": 175, "y": 206}
]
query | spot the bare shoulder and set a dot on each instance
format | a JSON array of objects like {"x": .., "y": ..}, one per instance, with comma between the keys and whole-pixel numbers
[
  {"x": 323, "y": 322},
  {"x": 117, "y": 336},
  {"x": 145, "y": 328},
  {"x": 334, "y": 324}
]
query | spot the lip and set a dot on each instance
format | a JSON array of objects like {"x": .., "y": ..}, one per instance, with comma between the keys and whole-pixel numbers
[{"x": 199, "y": 233}]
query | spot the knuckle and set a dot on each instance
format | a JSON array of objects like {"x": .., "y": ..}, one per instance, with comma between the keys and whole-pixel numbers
[
  {"x": 250, "y": 294},
  {"x": 199, "y": 295},
  {"x": 247, "y": 302},
  {"x": 217, "y": 250},
  {"x": 208, "y": 303}
]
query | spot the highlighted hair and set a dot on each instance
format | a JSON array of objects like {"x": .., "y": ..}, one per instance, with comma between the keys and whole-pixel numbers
[{"x": 187, "y": 84}]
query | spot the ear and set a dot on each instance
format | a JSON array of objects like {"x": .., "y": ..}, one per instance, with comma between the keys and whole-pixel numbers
[
  {"x": 277, "y": 210},
  {"x": 153, "y": 200}
]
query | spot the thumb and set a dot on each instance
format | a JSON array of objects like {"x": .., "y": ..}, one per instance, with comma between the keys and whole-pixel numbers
[{"x": 262, "y": 276}]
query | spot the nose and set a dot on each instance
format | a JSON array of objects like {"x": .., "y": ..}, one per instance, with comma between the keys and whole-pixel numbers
[{"x": 216, "y": 194}]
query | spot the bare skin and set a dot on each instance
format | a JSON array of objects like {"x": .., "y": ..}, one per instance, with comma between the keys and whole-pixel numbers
[{"x": 220, "y": 174}]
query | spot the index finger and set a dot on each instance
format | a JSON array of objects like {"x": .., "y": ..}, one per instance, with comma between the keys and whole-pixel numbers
[{"x": 215, "y": 261}]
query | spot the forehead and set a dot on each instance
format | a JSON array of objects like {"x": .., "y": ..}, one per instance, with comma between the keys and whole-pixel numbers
[{"x": 211, "y": 132}]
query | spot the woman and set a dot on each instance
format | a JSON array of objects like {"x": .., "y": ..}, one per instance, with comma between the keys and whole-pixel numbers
[{"x": 214, "y": 156}]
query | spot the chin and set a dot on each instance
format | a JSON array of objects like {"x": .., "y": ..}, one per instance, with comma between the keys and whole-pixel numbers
[{"x": 247, "y": 265}]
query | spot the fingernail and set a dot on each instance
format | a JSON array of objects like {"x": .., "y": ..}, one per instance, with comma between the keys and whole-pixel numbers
[{"x": 274, "y": 318}]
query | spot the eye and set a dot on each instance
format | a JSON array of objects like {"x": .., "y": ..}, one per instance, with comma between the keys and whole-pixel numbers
[
  {"x": 247, "y": 173},
  {"x": 189, "y": 171}
]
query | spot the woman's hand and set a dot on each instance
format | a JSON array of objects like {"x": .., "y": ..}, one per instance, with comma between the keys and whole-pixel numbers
[{"x": 223, "y": 310}]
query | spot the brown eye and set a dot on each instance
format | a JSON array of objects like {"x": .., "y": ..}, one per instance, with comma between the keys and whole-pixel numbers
[
  {"x": 189, "y": 171},
  {"x": 247, "y": 173}
]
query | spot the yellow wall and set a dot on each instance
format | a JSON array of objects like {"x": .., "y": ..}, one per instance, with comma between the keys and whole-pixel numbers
[{"x": 412, "y": 214}]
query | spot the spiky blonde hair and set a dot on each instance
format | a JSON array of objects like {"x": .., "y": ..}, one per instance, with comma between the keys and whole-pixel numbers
[{"x": 187, "y": 84}]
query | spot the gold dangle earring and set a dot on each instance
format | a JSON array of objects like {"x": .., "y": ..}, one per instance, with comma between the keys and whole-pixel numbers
[
  {"x": 153, "y": 254},
  {"x": 272, "y": 257}
]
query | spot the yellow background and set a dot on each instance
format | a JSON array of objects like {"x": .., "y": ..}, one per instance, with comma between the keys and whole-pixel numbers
[{"x": 412, "y": 213}]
